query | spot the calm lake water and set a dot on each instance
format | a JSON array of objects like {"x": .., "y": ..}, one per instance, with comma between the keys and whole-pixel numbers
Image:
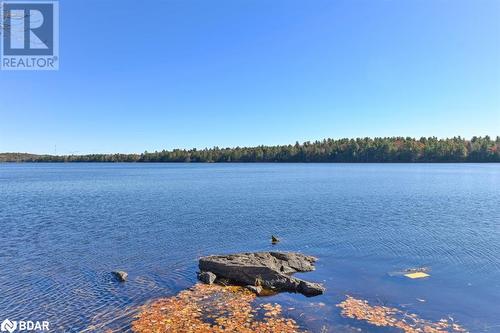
[{"x": 64, "y": 227}]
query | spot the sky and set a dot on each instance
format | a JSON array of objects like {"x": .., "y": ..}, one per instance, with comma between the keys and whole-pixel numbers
[{"x": 153, "y": 75}]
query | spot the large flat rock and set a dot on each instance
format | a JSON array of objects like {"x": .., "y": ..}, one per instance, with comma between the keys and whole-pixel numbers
[{"x": 271, "y": 270}]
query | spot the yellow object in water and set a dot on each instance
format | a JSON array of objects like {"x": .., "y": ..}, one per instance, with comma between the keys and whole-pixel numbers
[{"x": 417, "y": 275}]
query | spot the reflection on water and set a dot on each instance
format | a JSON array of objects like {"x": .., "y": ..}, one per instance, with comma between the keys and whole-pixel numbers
[{"x": 66, "y": 227}]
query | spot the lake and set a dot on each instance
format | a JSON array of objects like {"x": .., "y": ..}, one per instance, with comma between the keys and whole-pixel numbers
[{"x": 65, "y": 227}]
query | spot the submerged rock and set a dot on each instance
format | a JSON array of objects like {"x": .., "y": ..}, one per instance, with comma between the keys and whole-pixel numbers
[
  {"x": 120, "y": 275},
  {"x": 270, "y": 270},
  {"x": 207, "y": 277}
]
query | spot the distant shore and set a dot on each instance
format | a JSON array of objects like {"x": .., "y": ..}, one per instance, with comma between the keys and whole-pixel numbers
[{"x": 359, "y": 150}]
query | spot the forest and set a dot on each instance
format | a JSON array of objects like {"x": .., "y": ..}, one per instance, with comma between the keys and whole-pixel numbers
[{"x": 359, "y": 150}]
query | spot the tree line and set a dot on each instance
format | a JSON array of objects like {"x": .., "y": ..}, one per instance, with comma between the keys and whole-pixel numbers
[{"x": 359, "y": 150}]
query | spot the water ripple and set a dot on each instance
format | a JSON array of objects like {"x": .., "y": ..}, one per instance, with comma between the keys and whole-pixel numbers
[{"x": 66, "y": 227}]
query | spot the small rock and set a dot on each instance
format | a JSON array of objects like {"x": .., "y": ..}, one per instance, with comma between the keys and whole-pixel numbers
[
  {"x": 207, "y": 277},
  {"x": 274, "y": 240},
  {"x": 120, "y": 275},
  {"x": 256, "y": 289}
]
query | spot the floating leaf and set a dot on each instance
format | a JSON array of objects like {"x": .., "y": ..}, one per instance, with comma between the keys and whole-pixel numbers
[
  {"x": 392, "y": 317},
  {"x": 213, "y": 309},
  {"x": 417, "y": 275}
]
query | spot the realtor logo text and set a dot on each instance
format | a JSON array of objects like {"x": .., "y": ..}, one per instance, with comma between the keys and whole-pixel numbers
[
  {"x": 30, "y": 35},
  {"x": 23, "y": 326}
]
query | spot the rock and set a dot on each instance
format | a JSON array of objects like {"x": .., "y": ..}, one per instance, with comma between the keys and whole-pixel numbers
[
  {"x": 207, "y": 277},
  {"x": 256, "y": 289},
  {"x": 310, "y": 288},
  {"x": 120, "y": 275},
  {"x": 271, "y": 270},
  {"x": 274, "y": 240}
]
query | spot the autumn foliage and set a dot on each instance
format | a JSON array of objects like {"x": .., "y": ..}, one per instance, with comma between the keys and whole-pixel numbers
[
  {"x": 213, "y": 309},
  {"x": 392, "y": 317}
]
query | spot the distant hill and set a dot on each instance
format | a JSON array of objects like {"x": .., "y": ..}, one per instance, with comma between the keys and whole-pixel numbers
[
  {"x": 20, "y": 157},
  {"x": 360, "y": 150}
]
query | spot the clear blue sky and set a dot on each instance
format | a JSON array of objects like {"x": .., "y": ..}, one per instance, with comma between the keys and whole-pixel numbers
[{"x": 152, "y": 75}]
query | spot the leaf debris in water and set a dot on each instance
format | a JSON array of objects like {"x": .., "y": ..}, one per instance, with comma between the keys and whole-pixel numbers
[
  {"x": 392, "y": 317},
  {"x": 417, "y": 275},
  {"x": 213, "y": 308},
  {"x": 411, "y": 271}
]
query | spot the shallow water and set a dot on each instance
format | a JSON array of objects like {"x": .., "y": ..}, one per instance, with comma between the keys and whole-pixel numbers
[{"x": 66, "y": 226}]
